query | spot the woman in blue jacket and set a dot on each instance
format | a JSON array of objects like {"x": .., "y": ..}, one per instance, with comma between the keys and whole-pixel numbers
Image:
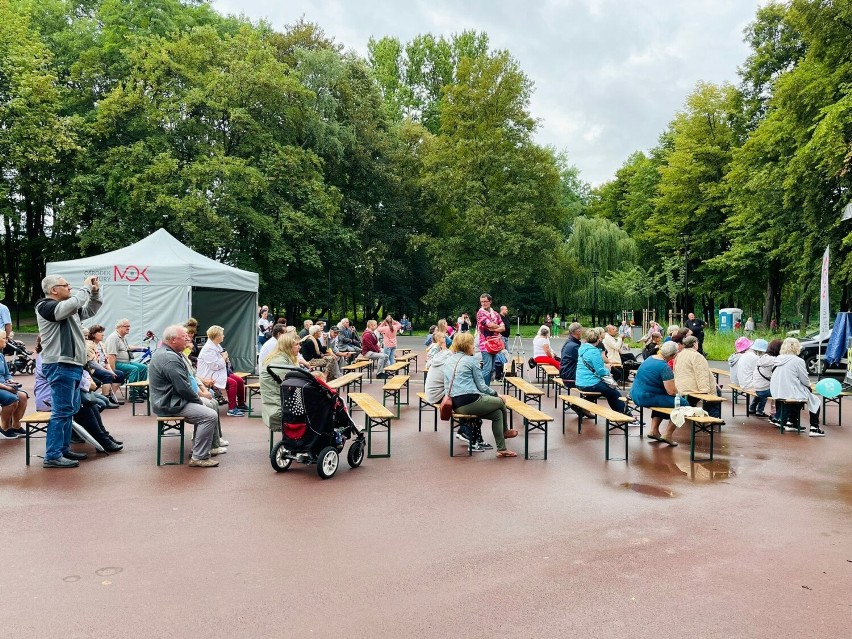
[
  {"x": 591, "y": 371},
  {"x": 471, "y": 395}
]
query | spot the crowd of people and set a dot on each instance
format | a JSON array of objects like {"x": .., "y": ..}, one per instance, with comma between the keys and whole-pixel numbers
[{"x": 79, "y": 371}]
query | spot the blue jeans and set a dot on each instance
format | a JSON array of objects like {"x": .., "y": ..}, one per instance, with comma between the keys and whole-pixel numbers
[
  {"x": 65, "y": 402},
  {"x": 390, "y": 351},
  {"x": 487, "y": 366},
  {"x": 760, "y": 403}
]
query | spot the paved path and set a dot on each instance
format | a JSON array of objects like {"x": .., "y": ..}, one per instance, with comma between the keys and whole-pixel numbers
[{"x": 755, "y": 544}]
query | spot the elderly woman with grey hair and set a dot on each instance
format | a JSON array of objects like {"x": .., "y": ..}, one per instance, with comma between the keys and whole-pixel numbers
[
  {"x": 654, "y": 386},
  {"x": 790, "y": 381}
]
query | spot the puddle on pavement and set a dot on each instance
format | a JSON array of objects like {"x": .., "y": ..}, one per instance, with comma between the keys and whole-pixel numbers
[
  {"x": 708, "y": 471},
  {"x": 108, "y": 571},
  {"x": 647, "y": 489}
]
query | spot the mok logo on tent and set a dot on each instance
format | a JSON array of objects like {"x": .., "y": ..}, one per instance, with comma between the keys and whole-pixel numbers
[{"x": 130, "y": 273}]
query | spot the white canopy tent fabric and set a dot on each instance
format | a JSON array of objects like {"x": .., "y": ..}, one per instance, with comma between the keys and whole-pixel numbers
[{"x": 158, "y": 281}]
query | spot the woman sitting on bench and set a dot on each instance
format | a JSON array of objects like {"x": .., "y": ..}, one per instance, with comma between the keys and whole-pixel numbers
[
  {"x": 471, "y": 395},
  {"x": 654, "y": 385},
  {"x": 591, "y": 372},
  {"x": 542, "y": 353}
]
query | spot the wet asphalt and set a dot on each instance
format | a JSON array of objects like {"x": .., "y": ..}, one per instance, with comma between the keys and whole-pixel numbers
[{"x": 757, "y": 543}]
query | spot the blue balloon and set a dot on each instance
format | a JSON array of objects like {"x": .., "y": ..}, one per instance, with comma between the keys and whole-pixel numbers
[{"x": 828, "y": 387}]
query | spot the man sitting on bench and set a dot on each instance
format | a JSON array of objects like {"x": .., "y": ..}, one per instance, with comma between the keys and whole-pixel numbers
[
  {"x": 172, "y": 394},
  {"x": 370, "y": 348}
]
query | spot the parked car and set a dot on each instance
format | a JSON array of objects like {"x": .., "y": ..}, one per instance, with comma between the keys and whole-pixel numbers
[{"x": 813, "y": 353}]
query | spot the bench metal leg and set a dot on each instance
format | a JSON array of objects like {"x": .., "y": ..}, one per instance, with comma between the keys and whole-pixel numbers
[
  {"x": 610, "y": 426},
  {"x": 167, "y": 429},
  {"x": 369, "y": 424},
  {"x": 394, "y": 393},
  {"x": 454, "y": 424},
  {"x": 30, "y": 430},
  {"x": 701, "y": 428},
  {"x": 531, "y": 426}
]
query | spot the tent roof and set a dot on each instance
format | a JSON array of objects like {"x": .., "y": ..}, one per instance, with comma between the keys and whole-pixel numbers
[{"x": 163, "y": 255}]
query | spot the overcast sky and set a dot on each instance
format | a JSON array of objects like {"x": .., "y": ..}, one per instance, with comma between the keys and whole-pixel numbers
[{"x": 609, "y": 74}]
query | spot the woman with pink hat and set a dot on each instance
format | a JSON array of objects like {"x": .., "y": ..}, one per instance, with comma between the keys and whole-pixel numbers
[{"x": 740, "y": 346}]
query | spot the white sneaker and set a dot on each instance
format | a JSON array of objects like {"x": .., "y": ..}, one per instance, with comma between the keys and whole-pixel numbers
[
  {"x": 816, "y": 432},
  {"x": 789, "y": 428},
  {"x": 224, "y": 442},
  {"x": 218, "y": 451}
]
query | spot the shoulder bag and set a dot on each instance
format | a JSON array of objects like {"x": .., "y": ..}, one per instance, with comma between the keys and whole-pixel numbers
[
  {"x": 446, "y": 407},
  {"x": 609, "y": 380}
]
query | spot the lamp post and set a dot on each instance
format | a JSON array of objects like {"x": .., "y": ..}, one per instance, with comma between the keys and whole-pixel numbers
[
  {"x": 595, "y": 298},
  {"x": 685, "y": 239}
]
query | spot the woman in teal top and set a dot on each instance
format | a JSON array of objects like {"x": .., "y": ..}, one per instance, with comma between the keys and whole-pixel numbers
[
  {"x": 591, "y": 371},
  {"x": 471, "y": 395},
  {"x": 654, "y": 386}
]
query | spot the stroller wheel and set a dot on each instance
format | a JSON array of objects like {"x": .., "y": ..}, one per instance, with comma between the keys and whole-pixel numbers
[
  {"x": 356, "y": 453},
  {"x": 327, "y": 462},
  {"x": 29, "y": 369},
  {"x": 278, "y": 458}
]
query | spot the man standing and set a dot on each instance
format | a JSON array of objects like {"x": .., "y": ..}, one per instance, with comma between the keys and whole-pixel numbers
[
  {"x": 63, "y": 357},
  {"x": 697, "y": 328},
  {"x": 172, "y": 394},
  {"x": 503, "y": 357},
  {"x": 488, "y": 323},
  {"x": 118, "y": 354}
]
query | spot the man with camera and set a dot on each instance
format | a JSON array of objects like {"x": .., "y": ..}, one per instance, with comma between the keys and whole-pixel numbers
[{"x": 63, "y": 357}]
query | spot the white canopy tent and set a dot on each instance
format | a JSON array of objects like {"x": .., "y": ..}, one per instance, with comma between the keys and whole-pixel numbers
[{"x": 158, "y": 281}]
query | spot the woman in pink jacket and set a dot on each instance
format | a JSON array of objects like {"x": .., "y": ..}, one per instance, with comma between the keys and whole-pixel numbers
[{"x": 388, "y": 329}]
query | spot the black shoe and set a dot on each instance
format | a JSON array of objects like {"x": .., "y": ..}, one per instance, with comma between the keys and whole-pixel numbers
[
  {"x": 60, "y": 462},
  {"x": 75, "y": 456},
  {"x": 116, "y": 441},
  {"x": 137, "y": 400},
  {"x": 111, "y": 405},
  {"x": 111, "y": 447},
  {"x": 76, "y": 439}
]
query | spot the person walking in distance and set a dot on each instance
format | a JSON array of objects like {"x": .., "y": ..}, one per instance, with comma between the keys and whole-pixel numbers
[{"x": 64, "y": 354}]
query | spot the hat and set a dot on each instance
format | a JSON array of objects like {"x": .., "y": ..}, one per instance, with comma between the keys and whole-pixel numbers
[
  {"x": 742, "y": 344},
  {"x": 760, "y": 345}
]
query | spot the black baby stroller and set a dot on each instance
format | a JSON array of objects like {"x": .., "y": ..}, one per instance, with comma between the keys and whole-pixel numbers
[
  {"x": 314, "y": 424},
  {"x": 24, "y": 361}
]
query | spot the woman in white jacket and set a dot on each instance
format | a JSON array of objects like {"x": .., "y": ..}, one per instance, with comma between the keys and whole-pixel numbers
[{"x": 790, "y": 381}]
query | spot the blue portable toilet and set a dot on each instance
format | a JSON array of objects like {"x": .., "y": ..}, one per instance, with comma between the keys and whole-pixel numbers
[{"x": 727, "y": 317}]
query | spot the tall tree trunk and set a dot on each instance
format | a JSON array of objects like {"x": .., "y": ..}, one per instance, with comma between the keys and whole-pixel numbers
[{"x": 773, "y": 291}]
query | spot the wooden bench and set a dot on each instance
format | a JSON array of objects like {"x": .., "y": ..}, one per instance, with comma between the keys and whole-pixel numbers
[
  {"x": 551, "y": 373},
  {"x": 343, "y": 382},
  {"x": 393, "y": 369},
  {"x": 456, "y": 420},
  {"x": 736, "y": 393},
  {"x": 375, "y": 415},
  {"x": 522, "y": 389},
  {"x": 253, "y": 390},
  {"x": 170, "y": 427},
  {"x": 516, "y": 367},
  {"x": 710, "y": 398},
  {"x": 615, "y": 421},
  {"x": 409, "y": 357},
  {"x": 142, "y": 386},
  {"x": 832, "y": 400},
  {"x": 402, "y": 352},
  {"x": 34, "y": 423},
  {"x": 359, "y": 365},
  {"x": 424, "y": 406},
  {"x": 393, "y": 389},
  {"x": 533, "y": 418},
  {"x": 700, "y": 424},
  {"x": 718, "y": 371}
]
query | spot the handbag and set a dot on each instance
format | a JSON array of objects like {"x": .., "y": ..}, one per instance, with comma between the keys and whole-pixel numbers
[
  {"x": 609, "y": 380},
  {"x": 446, "y": 407},
  {"x": 493, "y": 344}
]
